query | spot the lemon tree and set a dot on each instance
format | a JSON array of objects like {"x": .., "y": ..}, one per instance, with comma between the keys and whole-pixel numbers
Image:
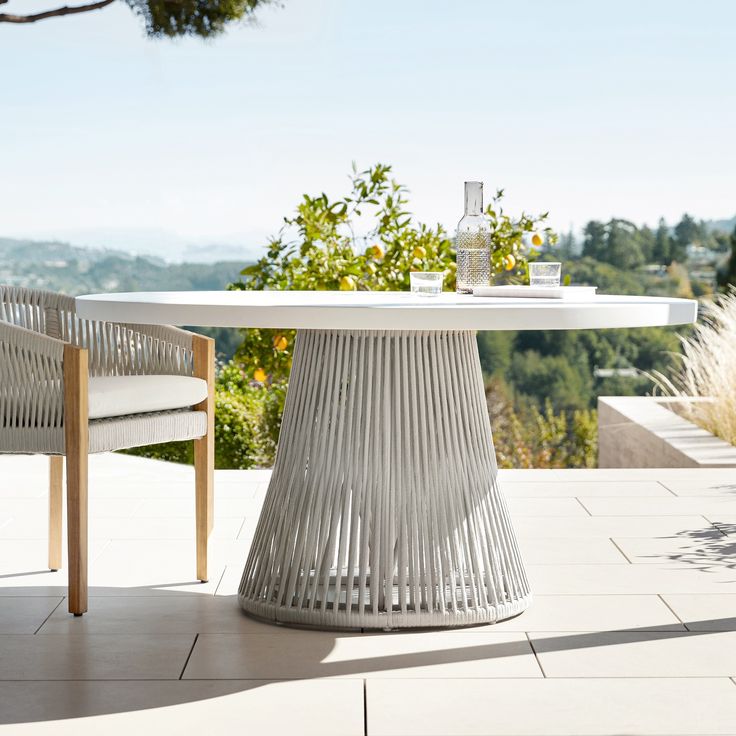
[{"x": 366, "y": 240}]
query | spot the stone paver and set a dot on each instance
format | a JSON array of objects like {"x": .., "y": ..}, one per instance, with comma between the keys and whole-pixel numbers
[
  {"x": 631, "y": 630},
  {"x": 570, "y": 707}
]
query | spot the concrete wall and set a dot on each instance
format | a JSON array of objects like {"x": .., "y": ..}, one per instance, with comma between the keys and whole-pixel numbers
[{"x": 641, "y": 432}]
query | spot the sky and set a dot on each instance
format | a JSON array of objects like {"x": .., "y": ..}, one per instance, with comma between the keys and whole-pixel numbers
[{"x": 588, "y": 109}]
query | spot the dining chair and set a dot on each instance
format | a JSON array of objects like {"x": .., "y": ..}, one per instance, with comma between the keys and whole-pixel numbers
[{"x": 70, "y": 387}]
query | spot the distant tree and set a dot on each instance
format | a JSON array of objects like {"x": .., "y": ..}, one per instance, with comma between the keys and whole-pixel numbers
[
  {"x": 171, "y": 18},
  {"x": 554, "y": 378},
  {"x": 615, "y": 242},
  {"x": 662, "y": 244},
  {"x": 722, "y": 241},
  {"x": 623, "y": 249},
  {"x": 595, "y": 240},
  {"x": 496, "y": 350},
  {"x": 607, "y": 278},
  {"x": 687, "y": 232},
  {"x": 567, "y": 246},
  {"x": 680, "y": 279},
  {"x": 727, "y": 272},
  {"x": 647, "y": 241}
]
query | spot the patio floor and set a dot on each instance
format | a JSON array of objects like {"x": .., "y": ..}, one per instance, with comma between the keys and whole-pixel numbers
[{"x": 632, "y": 631}]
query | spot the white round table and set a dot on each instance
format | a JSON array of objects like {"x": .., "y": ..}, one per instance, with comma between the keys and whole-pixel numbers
[{"x": 384, "y": 509}]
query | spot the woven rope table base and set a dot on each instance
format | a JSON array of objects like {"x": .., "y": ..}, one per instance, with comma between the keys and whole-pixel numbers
[{"x": 383, "y": 509}]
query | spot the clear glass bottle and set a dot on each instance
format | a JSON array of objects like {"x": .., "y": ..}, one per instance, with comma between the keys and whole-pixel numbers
[{"x": 473, "y": 242}]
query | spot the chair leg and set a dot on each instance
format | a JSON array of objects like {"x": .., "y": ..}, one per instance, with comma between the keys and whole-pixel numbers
[
  {"x": 56, "y": 472},
  {"x": 204, "y": 452},
  {"x": 76, "y": 500},
  {"x": 76, "y": 435}
]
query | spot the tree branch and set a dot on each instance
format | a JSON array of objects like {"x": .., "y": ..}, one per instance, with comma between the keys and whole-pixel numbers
[{"x": 66, "y": 10}]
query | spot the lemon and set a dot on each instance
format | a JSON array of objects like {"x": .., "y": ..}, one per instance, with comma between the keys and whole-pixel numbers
[
  {"x": 260, "y": 375},
  {"x": 537, "y": 239},
  {"x": 509, "y": 262},
  {"x": 371, "y": 268},
  {"x": 419, "y": 252},
  {"x": 347, "y": 283},
  {"x": 376, "y": 251},
  {"x": 280, "y": 343}
]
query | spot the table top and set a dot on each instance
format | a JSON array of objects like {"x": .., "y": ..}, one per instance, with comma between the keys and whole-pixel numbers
[{"x": 386, "y": 310}]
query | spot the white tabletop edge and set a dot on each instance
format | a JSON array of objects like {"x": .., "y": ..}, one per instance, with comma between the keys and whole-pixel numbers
[{"x": 383, "y": 310}]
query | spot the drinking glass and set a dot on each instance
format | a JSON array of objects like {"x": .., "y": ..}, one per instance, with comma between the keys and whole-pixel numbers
[
  {"x": 544, "y": 273},
  {"x": 426, "y": 283}
]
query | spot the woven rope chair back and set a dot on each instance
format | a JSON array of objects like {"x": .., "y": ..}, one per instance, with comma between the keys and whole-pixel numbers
[{"x": 114, "y": 348}]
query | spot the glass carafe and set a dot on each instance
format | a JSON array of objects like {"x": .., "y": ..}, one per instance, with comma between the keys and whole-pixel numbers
[{"x": 473, "y": 242}]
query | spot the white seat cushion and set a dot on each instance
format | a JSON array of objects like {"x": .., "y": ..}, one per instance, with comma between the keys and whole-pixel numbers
[{"x": 117, "y": 396}]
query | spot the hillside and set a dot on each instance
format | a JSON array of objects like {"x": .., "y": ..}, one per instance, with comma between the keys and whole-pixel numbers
[
  {"x": 723, "y": 226},
  {"x": 72, "y": 270}
]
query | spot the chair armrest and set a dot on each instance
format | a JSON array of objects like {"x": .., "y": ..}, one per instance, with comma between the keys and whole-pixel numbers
[
  {"x": 31, "y": 379},
  {"x": 203, "y": 349},
  {"x": 24, "y": 338}
]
